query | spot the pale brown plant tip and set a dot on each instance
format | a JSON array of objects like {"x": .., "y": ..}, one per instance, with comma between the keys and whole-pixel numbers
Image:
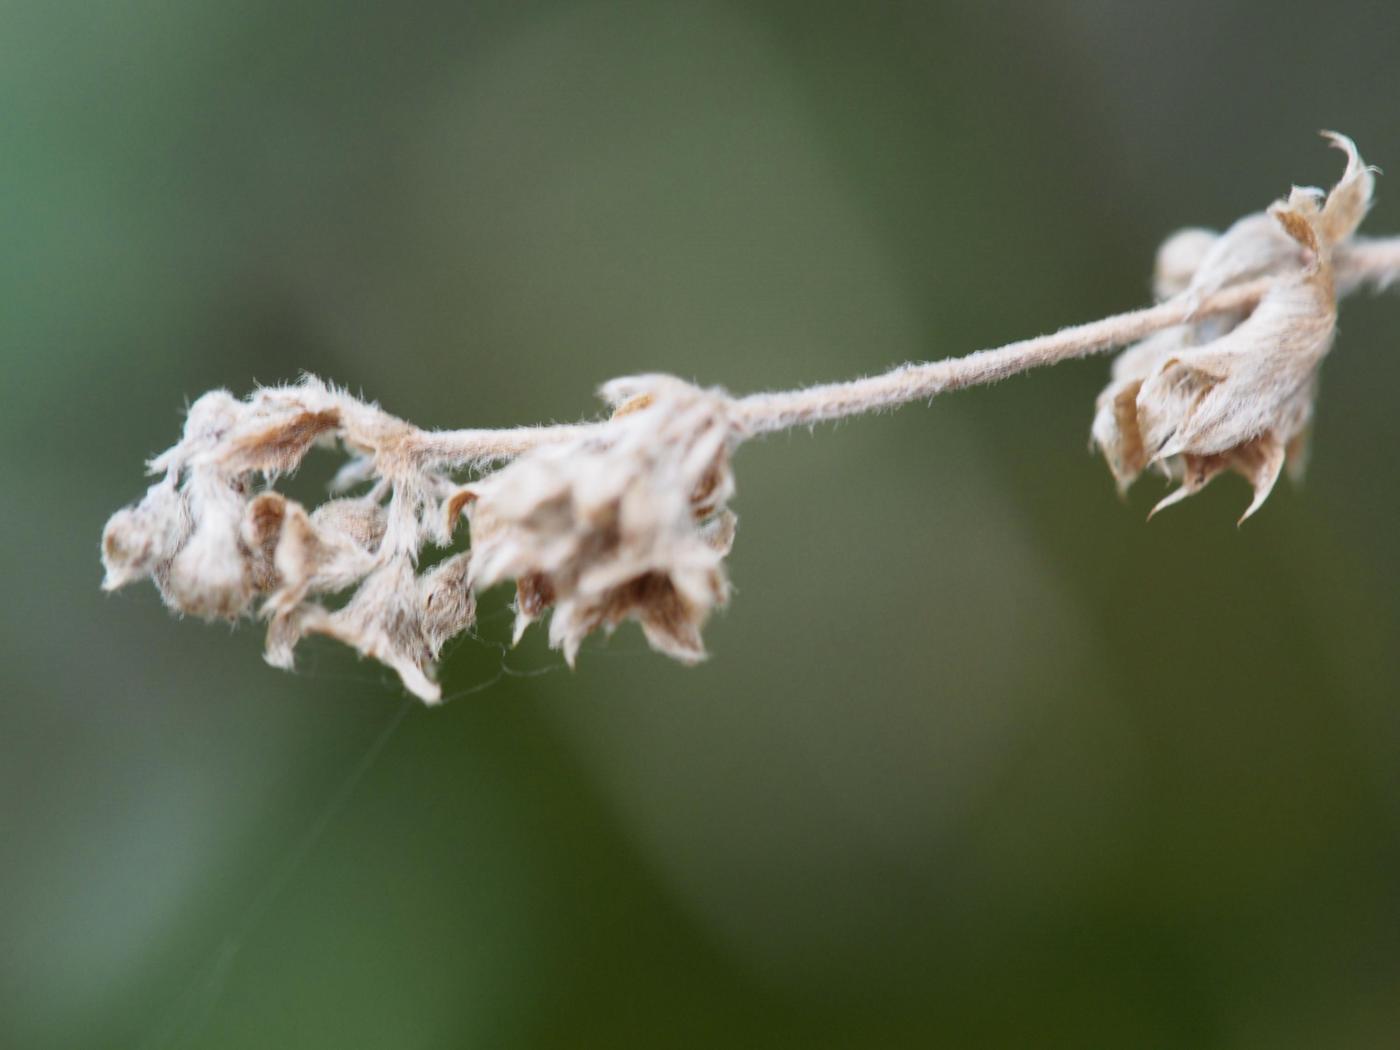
[
  {"x": 142, "y": 540},
  {"x": 216, "y": 542},
  {"x": 1235, "y": 393}
]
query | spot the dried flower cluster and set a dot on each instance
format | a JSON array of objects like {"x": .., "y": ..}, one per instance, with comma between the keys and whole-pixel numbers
[
  {"x": 628, "y": 518},
  {"x": 1235, "y": 391},
  {"x": 629, "y": 522}
]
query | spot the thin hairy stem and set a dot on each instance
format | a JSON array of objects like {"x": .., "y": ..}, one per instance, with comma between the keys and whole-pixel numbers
[
  {"x": 762, "y": 413},
  {"x": 452, "y": 449},
  {"x": 1373, "y": 261},
  {"x": 627, "y": 518}
]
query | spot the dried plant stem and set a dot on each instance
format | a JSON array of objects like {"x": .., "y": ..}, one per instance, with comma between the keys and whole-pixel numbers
[
  {"x": 765, "y": 413},
  {"x": 1371, "y": 261},
  {"x": 761, "y": 413},
  {"x": 628, "y": 518},
  {"x": 1374, "y": 261},
  {"x": 451, "y": 449}
]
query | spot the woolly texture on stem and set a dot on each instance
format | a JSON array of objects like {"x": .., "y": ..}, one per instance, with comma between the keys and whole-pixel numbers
[
  {"x": 763, "y": 413},
  {"x": 628, "y": 518}
]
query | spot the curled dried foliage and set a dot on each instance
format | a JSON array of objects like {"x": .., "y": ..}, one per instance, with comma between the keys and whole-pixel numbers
[
  {"x": 626, "y": 522},
  {"x": 630, "y": 523},
  {"x": 1235, "y": 392},
  {"x": 215, "y": 539},
  {"x": 628, "y": 518}
]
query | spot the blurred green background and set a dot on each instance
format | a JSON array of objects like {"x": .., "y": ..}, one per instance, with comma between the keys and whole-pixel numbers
[{"x": 979, "y": 759}]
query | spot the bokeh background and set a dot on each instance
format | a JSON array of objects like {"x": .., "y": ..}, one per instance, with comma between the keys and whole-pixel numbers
[{"x": 980, "y": 758}]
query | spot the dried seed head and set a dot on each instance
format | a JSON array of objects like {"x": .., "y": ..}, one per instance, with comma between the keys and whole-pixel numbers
[
  {"x": 214, "y": 545},
  {"x": 626, "y": 522},
  {"x": 1236, "y": 393},
  {"x": 618, "y": 526}
]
